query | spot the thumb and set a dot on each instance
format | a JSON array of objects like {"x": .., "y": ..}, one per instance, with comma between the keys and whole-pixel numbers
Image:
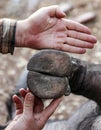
[
  {"x": 54, "y": 11},
  {"x": 28, "y": 104},
  {"x": 49, "y": 110}
]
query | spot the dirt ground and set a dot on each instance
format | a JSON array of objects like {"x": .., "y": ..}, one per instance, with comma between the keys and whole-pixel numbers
[{"x": 12, "y": 66}]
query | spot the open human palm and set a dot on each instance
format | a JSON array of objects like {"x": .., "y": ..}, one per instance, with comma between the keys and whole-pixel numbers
[{"x": 47, "y": 28}]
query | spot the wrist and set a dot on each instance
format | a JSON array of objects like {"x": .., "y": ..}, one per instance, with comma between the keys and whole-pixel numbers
[
  {"x": 24, "y": 35},
  {"x": 19, "y": 34}
]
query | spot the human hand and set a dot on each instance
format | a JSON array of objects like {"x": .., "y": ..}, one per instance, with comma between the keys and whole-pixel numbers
[
  {"x": 31, "y": 115},
  {"x": 47, "y": 28}
]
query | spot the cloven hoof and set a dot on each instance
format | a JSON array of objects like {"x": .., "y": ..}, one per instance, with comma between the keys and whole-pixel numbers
[{"x": 48, "y": 74}]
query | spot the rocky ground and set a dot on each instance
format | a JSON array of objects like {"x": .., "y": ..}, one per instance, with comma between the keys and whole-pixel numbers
[{"x": 11, "y": 66}]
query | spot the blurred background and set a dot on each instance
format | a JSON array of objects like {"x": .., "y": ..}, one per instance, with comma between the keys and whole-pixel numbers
[{"x": 12, "y": 66}]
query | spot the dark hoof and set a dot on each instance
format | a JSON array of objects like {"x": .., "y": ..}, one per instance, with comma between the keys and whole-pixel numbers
[{"x": 48, "y": 72}]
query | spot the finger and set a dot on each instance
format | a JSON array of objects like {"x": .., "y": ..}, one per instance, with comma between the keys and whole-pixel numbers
[
  {"x": 38, "y": 105},
  {"x": 54, "y": 11},
  {"x": 28, "y": 104},
  {"x": 18, "y": 104},
  {"x": 23, "y": 92},
  {"x": 81, "y": 36},
  {"x": 70, "y": 49},
  {"x": 51, "y": 108},
  {"x": 78, "y": 43},
  {"x": 72, "y": 25}
]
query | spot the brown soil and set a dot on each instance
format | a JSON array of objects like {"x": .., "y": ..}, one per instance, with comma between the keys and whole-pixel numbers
[{"x": 11, "y": 66}]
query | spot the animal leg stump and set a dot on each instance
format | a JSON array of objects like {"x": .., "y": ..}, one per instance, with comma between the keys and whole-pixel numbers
[{"x": 51, "y": 72}]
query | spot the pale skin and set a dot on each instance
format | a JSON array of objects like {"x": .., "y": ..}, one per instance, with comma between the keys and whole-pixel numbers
[
  {"x": 47, "y": 28},
  {"x": 31, "y": 114}
]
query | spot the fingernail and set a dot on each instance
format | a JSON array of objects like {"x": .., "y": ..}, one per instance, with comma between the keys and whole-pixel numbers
[
  {"x": 64, "y": 14},
  {"x": 30, "y": 96}
]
